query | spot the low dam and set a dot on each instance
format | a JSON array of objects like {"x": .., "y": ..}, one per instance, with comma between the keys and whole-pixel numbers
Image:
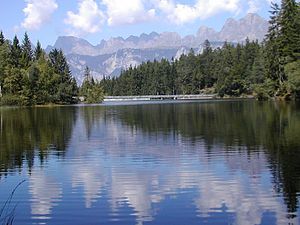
[{"x": 158, "y": 97}]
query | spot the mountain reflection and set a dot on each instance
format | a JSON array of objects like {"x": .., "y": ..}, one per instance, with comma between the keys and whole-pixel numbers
[{"x": 235, "y": 162}]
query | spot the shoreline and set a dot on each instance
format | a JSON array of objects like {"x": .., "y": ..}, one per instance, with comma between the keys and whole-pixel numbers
[{"x": 155, "y": 100}]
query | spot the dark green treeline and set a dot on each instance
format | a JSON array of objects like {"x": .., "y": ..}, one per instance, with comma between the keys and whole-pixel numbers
[
  {"x": 270, "y": 69},
  {"x": 29, "y": 76},
  {"x": 228, "y": 71}
]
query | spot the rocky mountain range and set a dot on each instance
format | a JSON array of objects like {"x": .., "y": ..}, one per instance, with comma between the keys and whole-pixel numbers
[{"x": 111, "y": 56}]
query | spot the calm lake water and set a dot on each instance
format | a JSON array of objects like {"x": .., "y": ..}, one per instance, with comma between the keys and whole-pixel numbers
[{"x": 227, "y": 162}]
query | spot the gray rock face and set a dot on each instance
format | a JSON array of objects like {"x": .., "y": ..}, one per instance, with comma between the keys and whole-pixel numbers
[
  {"x": 112, "y": 64},
  {"x": 206, "y": 33},
  {"x": 252, "y": 26},
  {"x": 111, "y": 56},
  {"x": 74, "y": 45}
]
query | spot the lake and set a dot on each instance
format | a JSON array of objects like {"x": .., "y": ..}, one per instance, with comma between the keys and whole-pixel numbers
[{"x": 210, "y": 162}]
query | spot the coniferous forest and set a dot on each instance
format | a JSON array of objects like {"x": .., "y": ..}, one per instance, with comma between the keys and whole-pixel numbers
[
  {"x": 29, "y": 76},
  {"x": 269, "y": 69}
]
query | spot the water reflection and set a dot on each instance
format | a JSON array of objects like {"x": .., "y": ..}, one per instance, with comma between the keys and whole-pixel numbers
[
  {"x": 29, "y": 132},
  {"x": 273, "y": 127},
  {"x": 45, "y": 192},
  {"x": 209, "y": 163}
]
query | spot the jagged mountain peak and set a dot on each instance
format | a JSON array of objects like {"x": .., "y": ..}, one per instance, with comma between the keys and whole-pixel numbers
[
  {"x": 73, "y": 45},
  {"x": 116, "y": 53},
  {"x": 148, "y": 37},
  {"x": 252, "y": 26},
  {"x": 249, "y": 18}
]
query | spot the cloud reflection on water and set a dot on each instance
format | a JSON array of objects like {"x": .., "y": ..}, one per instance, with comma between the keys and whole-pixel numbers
[
  {"x": 123, "y": 166},
  {"x": 46, "y": 193},
  {"x": 135, "y": 172}
]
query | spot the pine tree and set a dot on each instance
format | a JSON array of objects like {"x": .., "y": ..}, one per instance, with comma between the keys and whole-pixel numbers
[
  {"x": 38, "y": 52},
  {"x": 86, "y": 85},
  {"x": 95, "y": 94},
  {"x": 87, "y": 73},
  {"x": 282, "y": 42},
  {"x": 274, "y": 62},
  {"x": 24, "y": 81},
  {"x": 297, "y": 52},
  {"x": 257, "y": 72},
  {"x": 4, "y": 61},
  {"x": 27, "y": 54},
  {"x": 207, "y": 47},
  {"x": 16, "y": 52},
  {"x": 289, "y": 38},
  {"x": 2, "y": 40},
  {"x": 91, "y": 91},
  {"x": 60, "y": 65},
  {"x": 64, "y": 82}
]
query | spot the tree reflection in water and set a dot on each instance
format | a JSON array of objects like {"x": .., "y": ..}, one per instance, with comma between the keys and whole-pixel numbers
[{"x": 142, "y": 154}]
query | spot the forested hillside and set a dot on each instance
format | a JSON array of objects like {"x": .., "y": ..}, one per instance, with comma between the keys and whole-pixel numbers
[{"x": 270, "y": 69}]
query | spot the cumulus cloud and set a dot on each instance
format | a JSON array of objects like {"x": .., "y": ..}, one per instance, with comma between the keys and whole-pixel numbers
[
  {"x": 127, "y": 12},
  {"x": 202, "y": 9},
  {"x": 37, "y": 12},
  {"x": 89, "y": 18}
]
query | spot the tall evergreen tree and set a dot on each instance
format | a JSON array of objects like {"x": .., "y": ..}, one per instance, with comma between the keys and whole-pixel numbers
[
  {"x": 65, "y": 83},
  {"x": 207, "y": 47},
  {"x": 274, "y": 62},
  {"x": 38, "y": 51},
  {"x": 2, "y": 40},
  {"x": 16, "y": 52},
  {"x": 87, "y": 73},
  {"x": 60, "y": 65},
  {"x": 86, "y": 85},
  {"x": 289, "y": 38},
  {"x": 27, "y": 53}
]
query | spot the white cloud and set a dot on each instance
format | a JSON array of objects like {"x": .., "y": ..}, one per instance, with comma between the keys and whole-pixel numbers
[
  {"x": 37, "y": 12},
  {"x": 202, "y": 9},
  {"x": 127, "y": 12},
  {"x": 254, "y": 6},
  {"x": 89, "y": 18}
]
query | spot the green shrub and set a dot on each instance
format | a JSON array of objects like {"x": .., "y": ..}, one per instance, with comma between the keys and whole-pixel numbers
[
  {"x": 10, "y": 100},
  {"x": 293, "y": 73}
]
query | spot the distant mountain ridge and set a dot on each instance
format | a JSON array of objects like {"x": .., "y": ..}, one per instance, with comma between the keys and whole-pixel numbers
[{"x": 111, "y": 56}]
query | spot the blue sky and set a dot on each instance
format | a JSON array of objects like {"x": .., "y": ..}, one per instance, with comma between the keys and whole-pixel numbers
[{"x": 95, "y": 20}]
